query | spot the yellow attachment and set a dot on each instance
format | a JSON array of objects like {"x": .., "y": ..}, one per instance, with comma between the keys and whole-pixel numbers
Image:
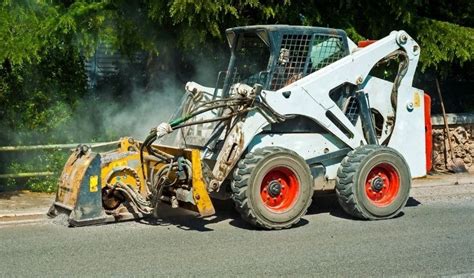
[
  {"x": 200, "y": 195},
  {"x": 82, "y": 185},
  {"x": 123, "y": 165},
  {"x": 125, "y": 169},
  {"x": 71, "y": 179}
]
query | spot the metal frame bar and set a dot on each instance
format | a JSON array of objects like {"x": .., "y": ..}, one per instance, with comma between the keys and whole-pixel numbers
[{"x": 366, "y": 118}]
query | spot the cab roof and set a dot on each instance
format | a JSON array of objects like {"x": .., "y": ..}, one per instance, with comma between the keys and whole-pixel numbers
[{"x": 284, "y": 28}]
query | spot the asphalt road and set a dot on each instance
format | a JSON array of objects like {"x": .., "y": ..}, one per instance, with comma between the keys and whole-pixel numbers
[{"x": 434, "y": 237}]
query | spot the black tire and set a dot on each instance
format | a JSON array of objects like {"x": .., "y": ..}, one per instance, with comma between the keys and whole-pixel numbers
[
  {"x": 253, "y": 178},
  {"x": 373, "y": 182}
]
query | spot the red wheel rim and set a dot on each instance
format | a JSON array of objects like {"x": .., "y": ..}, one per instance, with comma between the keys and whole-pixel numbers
[
  {"x": 279, "y": 189},
  {"x": 382, "y": 184}
]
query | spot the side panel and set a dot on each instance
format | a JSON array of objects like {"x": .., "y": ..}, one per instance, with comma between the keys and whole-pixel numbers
[
  {"x": 89, "y": 204},
  {"x": 301, "y": 102},
  {"x": 408, "y": 136},
  {"x": 307, "y": 145},
  {"x": 72, "y": 178}
]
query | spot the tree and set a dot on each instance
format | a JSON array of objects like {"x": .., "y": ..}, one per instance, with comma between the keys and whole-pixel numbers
[{"x": 443, "y": 28}]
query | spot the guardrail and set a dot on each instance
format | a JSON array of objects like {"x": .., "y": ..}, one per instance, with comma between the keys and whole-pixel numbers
[
  {"x": 52, "y": 147},
  {"x": 27, "y": 175}
]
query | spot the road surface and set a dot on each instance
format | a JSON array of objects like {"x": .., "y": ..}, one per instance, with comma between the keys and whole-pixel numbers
[{"x": 434, "y": 237}]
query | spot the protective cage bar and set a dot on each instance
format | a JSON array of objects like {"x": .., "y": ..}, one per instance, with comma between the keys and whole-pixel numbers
[
  {"x": 306, "y": 57},
  {"x": 298, "y": 47}
]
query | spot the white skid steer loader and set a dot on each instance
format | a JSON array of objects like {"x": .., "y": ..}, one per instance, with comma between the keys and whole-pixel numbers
[{"x": 299, "y": 111}]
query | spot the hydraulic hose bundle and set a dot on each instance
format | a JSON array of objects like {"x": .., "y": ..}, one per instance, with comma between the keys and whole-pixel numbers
[
  {"x": 244, "y": 99},
  {"x": 229, "y": 110}
]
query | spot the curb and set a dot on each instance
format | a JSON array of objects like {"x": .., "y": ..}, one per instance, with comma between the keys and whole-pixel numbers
[
  {"x": 22, "y": 218},
  {"x": 444, "y": 180}
]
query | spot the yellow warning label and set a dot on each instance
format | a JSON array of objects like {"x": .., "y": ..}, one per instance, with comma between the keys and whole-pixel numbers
[
  {"x": 416, "y": 100},
  {"x": 93, "y": 182}
]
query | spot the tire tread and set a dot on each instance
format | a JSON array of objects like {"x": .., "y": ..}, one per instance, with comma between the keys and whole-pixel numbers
[
  {"x": 347, "y": 175},
  {"x": 240, "y": 186}
]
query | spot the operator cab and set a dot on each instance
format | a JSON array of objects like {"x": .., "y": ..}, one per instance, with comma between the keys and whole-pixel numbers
[
  {"x": 278, "y": 55},
  {"x": 273, "y": 56}
]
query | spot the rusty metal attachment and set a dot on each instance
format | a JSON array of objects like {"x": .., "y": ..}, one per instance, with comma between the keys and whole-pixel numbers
[{"x": 106, "y": 187}]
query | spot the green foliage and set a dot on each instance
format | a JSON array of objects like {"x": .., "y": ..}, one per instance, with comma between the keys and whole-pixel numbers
[
  {"x": 40, "y": 97},
  {"x": 196, "y": 22},
  {"x": 442, "y": 28},
  {"x": 30, "y": 29},
  {"x": 23, "y": 31},
  {"x": 42, "y": 80},
  {"x": 445, "y": 43},
  {"x": 50, "y": 161}
]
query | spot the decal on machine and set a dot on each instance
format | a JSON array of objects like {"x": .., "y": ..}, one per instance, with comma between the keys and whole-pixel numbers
[
  {"x": 416, "y": 100},
  {"x": 93, "y": 182}
]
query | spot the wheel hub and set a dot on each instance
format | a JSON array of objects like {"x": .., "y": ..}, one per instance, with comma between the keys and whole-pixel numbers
[
  {"x": 377, "y": 184},
  {"x": 382, "y": 184},
  {"x": 279, "y": 189},
  {"x": 274, "y": 188}
]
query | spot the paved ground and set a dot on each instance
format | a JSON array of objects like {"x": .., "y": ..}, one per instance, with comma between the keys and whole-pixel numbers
[
  {"x": 24, "y": 205},
  {"x": 30, "y": 207},
  {"x": 434, "y": 237}
]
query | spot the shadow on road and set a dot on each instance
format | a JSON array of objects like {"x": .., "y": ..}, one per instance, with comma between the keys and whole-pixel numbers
[
  {"x": 187, "y": 220},
  {"x": 412, "y": 202},
  {"x": 240, "y": 223},
  {"x": 190, "y": 221},
  {"x": 328, "y": 204}
]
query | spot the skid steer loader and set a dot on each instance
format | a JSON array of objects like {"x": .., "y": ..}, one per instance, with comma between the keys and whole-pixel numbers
[{"x": 299, "y": 111}]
